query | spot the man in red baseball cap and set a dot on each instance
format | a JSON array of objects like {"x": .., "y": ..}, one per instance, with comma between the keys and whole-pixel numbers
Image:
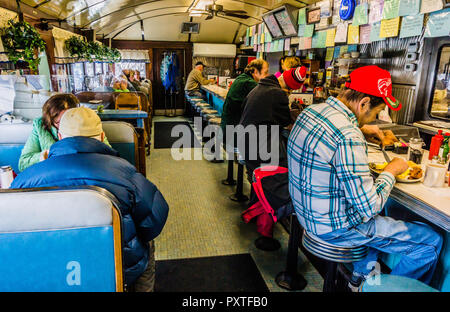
[{"x": 333, "y": 193}]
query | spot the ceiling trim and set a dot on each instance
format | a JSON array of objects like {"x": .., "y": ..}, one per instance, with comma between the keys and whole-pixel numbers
[
  {"x": 150, "y": 17},
  {"x": 152, "y": 10}
]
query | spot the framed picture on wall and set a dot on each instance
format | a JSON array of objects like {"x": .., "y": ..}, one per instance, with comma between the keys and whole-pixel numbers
[{"x": 313, "y": 16}]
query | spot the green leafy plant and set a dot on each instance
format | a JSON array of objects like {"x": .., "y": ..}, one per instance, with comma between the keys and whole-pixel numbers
[
  {"x": 76, "y": 47},
  {"x": 91, "y": 51},
  {"x": 22, "y": 42}
]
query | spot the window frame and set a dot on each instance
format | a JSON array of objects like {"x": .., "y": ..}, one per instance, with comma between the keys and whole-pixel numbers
[{"x": 433, "y": 85}]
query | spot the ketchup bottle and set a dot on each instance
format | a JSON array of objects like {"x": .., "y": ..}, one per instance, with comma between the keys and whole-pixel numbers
[{"x": 436, "y": 143}]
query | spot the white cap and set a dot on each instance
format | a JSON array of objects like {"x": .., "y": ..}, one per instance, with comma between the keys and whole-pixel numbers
[{"x": 80, "y": 121}]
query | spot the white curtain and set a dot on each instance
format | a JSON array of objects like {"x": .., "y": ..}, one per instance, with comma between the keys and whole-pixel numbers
[
  {"x": 135, "y": 55},
  {"x": 61, "y": 54}
]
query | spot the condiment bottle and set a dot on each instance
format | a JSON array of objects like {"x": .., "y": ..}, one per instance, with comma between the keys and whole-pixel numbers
[
  {"x": 436, "y": 143},
  {"x": 444, "y": 149}
]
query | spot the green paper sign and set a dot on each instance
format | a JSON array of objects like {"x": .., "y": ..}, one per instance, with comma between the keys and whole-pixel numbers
[
  {"x": 411, "y": 26},
  {"x": 391, "y": 9},
  {"x": 361, "y": 15},
  {"x": 409, "y": 7},
  {"x": 301, "y": 30},
  {"x": 302, "y": 16},
  {"x": 375, "y": 32},
  {"x": 329, "y": 56},
  {"x": 309, "y": 30}
]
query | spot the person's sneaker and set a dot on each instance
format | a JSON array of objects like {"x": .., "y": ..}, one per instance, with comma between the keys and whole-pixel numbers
[{"x": 357, "y": 279}]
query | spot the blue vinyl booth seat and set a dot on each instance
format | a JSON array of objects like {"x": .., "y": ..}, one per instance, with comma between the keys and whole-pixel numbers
[
  {"x": 121, "y": 135},
  {"x": 54, "y": 239}
]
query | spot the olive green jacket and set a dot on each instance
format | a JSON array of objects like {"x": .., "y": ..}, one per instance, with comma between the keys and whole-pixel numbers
[
  {"x": 39, "y": 140},
  {"x": 233, "y": 105}
]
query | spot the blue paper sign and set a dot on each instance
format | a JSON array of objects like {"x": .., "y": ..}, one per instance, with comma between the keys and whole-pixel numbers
[
  {"x": 411, "y": 26},
  {"x": 301, "y": 30},
  {"x": 337, "y": 51},
  {"x": 375, "y": 32},
  {"x": 409, "y": 7},
  {"x": 438, "y": 24}
]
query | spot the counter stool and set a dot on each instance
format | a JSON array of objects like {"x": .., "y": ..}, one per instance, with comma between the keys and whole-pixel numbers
[
  {"x": 394, "y": 283},
  {"x": 239, "y": 196},
  {"x": 290, "y": 279},
  {"x": 334, "y": 255},
  {"x": 214, "y": 120}
]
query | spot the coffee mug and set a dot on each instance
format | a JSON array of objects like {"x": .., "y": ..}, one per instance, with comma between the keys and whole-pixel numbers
[{"x": 435, "y": 175}]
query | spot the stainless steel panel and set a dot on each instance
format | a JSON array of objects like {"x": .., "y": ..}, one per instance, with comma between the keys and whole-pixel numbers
[{"x": 406, "y": 94}]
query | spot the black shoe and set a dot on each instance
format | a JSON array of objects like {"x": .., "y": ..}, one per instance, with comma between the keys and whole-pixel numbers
[{"x": 267, "y": 243}]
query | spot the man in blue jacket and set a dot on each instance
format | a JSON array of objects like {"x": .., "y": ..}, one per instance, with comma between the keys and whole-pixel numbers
[{"x": 80, "y": 158}]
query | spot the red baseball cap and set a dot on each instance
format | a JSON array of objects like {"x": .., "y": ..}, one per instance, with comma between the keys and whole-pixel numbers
[
  {"x": 374, "y": 81},
  {"x": 294, "y": 77}
]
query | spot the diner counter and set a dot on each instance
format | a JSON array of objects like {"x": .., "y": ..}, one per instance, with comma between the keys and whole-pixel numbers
[
  {"x": 216, "y": 90},
  {"x": 432, "y": 204}
]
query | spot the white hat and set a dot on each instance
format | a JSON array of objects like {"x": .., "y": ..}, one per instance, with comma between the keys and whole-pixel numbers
[{"x": 80, "y": 121}]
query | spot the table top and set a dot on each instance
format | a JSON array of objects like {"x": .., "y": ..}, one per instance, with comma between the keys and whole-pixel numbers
[{"x": 434, "y": 202}]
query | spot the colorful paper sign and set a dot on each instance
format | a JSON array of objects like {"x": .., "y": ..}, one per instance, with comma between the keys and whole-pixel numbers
[
  {"x": 375, "y": 11},
  {"x": 353, "y": 34},
  {"x": 389, "y": 28},
  {"x": 308, "y": 43},
  {"x": 337, "y": 51},
  {"x": 375, "y": 32},
  {"x": 302, "y": 16},
  {"x": 329, "y": 55},
  {"x": 428, "y": 6},
  {"x": 331, "y": 34},
  {"x": 411, "y": 26},
  {"x": 409, "y": 7},
  {"x": 352, "y": 48},
  {"x": 364, "y": 34},
  {"x": 344, "y": 50},
  {"x": 341, "y": 33},
  {"x": 391, "y": 9},
  {"x": 301, "y": 30},
  {"x": 361, "y": 16},
  {"x": 309, "y": 30},
  {"x": 325, "y": 8},
  {"x": 287, "y": 44},
  {"x": 438, "y": 24}
]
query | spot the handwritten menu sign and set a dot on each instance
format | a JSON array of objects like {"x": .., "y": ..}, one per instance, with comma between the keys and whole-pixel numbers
[
  {"x": 302, "y": 16},
  {"x": 364, "y": 34},
  {"x": 409, "y": 7},
  {"x": 390, "y": 9},
  {"x": 329, "y": 55},
  {"x": 438, "y": 24},
  {"x": 389, "y": 28},
  {"x": 375, "y": 11},
  {"x": 361, "y": 17},
  {"x": 431, "y": 6},
  {"x": 329, "y": 41},
  {"x": 313, "y": 16},
  {"x": 309, "y": 30},
  {"x": 272, "y": 25},
  {"x": 375, "y": 32},
  {"x": 341, "y": 33},
  {"x": 285, "y": 23},
  {"x": 353, "y": 34},
  {"x": 411, "y": 26}
]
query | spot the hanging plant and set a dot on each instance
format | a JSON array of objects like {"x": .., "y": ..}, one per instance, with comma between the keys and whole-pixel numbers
[
  {"x": 22, "y": 42},
  {"x": 76, "y": 46},
  {"x": 91, "y": 51}
]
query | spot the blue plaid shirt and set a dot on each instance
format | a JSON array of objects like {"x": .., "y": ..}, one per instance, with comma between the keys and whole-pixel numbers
[{"x": 329, "y": 179}]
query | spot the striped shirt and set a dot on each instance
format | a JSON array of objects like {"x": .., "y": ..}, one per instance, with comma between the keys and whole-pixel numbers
[{"x": 329, "y": 179}]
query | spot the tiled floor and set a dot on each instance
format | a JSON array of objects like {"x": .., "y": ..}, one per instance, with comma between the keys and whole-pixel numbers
[{"x": 204, "y": 222}]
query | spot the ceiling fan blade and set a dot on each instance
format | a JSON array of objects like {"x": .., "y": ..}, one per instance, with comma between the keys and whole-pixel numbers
[
  {"x": 235, "y": 11},
  {"x": 237, "y": 15}
]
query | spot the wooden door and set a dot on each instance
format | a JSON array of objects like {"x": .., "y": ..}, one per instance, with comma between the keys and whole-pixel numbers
[{"x": 159, "y": 93}]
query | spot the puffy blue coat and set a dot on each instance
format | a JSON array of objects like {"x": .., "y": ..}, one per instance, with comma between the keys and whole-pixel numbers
[{"x": 86, "y": 161}]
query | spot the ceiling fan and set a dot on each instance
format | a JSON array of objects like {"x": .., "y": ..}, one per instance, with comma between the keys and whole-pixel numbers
[{"x": 218, "y": 10}]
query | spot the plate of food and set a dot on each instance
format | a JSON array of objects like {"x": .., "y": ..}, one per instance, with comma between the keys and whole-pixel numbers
[
  {"x": 95, "y": 101},
  {"x": 413, "y": 174}
]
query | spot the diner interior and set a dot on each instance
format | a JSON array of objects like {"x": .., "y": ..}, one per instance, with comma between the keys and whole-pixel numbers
[{"x": 134, "y": 63}]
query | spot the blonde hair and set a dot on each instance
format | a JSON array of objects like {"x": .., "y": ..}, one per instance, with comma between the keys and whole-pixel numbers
[{"x": 291, "y": 62}]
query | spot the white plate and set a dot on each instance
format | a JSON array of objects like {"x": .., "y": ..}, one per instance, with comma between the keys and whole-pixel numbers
[{"x": 400, "y": 179}]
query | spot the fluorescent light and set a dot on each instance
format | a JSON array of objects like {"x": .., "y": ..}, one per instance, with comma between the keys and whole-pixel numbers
[{"x": 195, "y": 14}]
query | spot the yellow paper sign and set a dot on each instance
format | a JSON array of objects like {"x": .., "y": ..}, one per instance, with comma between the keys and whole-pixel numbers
[
  {"x": 389, "y": 28},
  {"x": 353, "y": 34},
  {"x": 262, "y": 38},
  {"x": 250, "y": 32},
  {"x": 331, "y": 33}
]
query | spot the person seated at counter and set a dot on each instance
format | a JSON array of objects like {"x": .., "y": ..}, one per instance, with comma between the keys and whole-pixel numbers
[
  {"x": 195, "y": 80},
  {"x": 286, "y": 63},
  {"x": 45, "y": 129},
  {"x": 120, "y": 86},
  {"x": 126, "y": 74},
  {"x": 333, "y": 192},
  {"x": 268, "y": 105},
  {"x": 80, "y": 157},
  {"x": 244, "y": 83}
]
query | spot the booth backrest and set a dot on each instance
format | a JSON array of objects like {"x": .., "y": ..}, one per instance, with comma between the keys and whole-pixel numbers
[
  {"x": 121, "y": 135},
  {"x": 60, "y": 240},
  {"x": 106, "y": 97}
]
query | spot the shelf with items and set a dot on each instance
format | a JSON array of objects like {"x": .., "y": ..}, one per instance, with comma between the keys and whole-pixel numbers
[{"x": 312, "y": 66}]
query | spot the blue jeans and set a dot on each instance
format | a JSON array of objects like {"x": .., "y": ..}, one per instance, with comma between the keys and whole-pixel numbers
[
  {"x": 196, "y": 93},
  {"x": 417, "y": 243}
]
